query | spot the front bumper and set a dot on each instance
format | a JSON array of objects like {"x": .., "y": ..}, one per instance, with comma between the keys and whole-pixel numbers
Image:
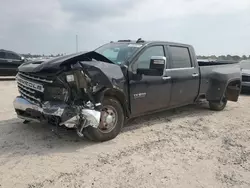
[{"x": 69, "y": 116}]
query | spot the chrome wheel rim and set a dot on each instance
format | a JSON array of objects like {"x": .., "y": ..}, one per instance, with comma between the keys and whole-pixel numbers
[{"x": 108, "y": 119}]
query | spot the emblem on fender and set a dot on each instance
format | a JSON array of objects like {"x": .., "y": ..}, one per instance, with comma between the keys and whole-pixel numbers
[{"x": 139, "y": 95}]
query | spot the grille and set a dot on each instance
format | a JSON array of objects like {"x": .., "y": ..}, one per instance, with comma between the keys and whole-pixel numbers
[
  {"x": 36, "y": 78},
  {"x": 31, "y": 87},
  {"x": 245, "y": 78}
]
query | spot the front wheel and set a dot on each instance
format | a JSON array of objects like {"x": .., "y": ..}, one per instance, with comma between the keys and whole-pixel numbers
[
  {"x": 218, "y": 106},
  {"x": 112, "y": 120}
]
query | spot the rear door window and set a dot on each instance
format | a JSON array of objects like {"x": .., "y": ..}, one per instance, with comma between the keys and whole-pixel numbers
[{"x": 180, "y": 57}]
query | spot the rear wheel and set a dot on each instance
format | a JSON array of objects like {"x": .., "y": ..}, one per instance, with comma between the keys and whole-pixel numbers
[
  {"x": 112, "y": 120},
  {"x": 218, "y": 106}
]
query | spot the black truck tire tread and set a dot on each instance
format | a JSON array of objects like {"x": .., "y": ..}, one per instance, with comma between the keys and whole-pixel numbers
[{"x": 216, "y": 106}]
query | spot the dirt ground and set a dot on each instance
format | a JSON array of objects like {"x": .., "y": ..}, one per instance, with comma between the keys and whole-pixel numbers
[{"x": 184, "y": 148}]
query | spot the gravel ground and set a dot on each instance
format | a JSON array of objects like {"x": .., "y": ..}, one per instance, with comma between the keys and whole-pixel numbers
[{"x": 187, "y": 147}]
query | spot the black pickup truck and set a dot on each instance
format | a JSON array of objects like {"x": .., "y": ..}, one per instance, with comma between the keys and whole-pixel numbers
[{"x": 96, "y": 92}]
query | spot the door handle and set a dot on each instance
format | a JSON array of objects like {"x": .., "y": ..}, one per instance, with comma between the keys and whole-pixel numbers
[
  {"x": 9, "y": 61},
  {"x": 195, "y": 75},
  {"x": 166, "y": 77}
]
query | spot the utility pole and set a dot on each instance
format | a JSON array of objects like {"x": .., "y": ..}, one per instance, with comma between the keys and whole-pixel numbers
[{"x": 76, "y": 43}]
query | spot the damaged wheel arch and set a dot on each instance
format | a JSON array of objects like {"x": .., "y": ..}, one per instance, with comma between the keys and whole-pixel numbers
[{"x": 116, "y": 94}]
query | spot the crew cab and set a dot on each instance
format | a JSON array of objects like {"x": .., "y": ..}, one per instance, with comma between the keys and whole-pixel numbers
[{"x": 95, "y": 92}]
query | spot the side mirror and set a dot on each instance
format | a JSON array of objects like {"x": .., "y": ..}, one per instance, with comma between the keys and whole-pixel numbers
[
  {"x": 158, "y": 63},
  {"x": 156, "y": 67}
]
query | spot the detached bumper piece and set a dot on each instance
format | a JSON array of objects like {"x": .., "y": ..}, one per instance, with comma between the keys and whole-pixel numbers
[{"x": 62, "y": 114}]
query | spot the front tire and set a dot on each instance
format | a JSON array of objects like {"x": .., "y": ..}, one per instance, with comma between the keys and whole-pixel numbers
[
  {"x": 112, "y": 120},
  {"x": 218, "y": 106}
]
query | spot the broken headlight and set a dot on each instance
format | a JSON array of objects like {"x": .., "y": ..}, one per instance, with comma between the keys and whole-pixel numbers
[{"x": 56, "y": 94}]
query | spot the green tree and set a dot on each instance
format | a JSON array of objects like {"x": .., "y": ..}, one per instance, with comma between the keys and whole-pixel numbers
[
  {"x": 229, "y": 57},
  {"x": 236, "y": 58},
  {"x": 244, "y": 57},
  {"x": 222, "y": 57}
]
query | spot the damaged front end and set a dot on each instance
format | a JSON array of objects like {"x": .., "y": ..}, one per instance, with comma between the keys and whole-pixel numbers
[
  {"x": 66, "y": 90},
  {"x": 67, "y": 99}
]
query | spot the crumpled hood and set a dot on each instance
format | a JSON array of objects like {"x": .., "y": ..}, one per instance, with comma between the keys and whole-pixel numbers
[
  {"x": 99, "y": 68},
  {"x": 55, "y": 64}
]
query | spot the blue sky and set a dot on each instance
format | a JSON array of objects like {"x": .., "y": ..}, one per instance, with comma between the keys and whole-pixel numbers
[{"x": 49, "y": 26}]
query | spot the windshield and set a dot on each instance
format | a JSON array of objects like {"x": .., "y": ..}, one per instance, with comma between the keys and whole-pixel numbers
[
  {"x": 117, "y": 52},
  {"x": 245, "y": 64}
]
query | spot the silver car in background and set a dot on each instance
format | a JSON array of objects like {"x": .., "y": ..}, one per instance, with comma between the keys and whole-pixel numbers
[{"x": 245, "y": 69}]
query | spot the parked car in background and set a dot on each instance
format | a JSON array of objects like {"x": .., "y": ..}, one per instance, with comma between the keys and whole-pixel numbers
[
  {"x": 9, "y": 62},
  {"x": 245, "y": 70}
]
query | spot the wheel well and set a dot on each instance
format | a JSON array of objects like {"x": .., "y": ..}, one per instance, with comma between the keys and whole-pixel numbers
[
  {"x": 120, "y": 97},
  {"x": 233, "y": 90}
]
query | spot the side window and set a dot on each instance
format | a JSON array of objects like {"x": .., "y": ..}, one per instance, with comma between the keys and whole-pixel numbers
[
  {"x": 144, "y": 59},
  {"x": 2, "y": 55},
  {"x": 13, "y": 56},
  {"x": 180, "y": 56}
]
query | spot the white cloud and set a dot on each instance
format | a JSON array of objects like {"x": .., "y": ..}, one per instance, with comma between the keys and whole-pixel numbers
[
  {"x": 46, "y": 13},
  {"x": 49, "y": 26},
  {"x": 159, "y": 9}
]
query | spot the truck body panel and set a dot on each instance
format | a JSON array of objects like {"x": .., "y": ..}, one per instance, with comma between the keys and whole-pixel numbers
[{"x": 216, "y": 78}]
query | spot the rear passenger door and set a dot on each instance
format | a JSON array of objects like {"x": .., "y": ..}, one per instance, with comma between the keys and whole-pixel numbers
[{"x": 184, "y": 76}]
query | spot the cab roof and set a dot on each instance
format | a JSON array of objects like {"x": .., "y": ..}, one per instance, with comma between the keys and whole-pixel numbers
[{"x": 143, "y": 42}]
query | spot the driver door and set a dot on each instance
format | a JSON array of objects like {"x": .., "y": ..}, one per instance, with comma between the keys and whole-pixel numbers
[{"x": 150, "y": 93}]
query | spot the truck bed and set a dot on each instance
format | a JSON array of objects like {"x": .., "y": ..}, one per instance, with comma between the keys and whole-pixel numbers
[
  {"x": 215, "y": 75},
  {"x": 216, "y": 62}
]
